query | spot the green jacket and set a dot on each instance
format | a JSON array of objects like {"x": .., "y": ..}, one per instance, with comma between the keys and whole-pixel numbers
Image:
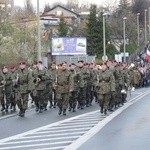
[
  {"x": 9, "y": 84},
  {"x": 24, "y": 81},
  {"x": 63, "y": 81},
  {"x": 106, "y": 82}
]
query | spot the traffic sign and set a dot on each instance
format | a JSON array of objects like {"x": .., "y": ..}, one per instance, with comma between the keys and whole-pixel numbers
[{"x": 104, "y": 58}]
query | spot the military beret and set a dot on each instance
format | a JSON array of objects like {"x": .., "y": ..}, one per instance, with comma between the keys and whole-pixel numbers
[
  {"x": 12, "y": 66},
  {"x": 73, "y": 64},
  {"x": 40, "y": 62},
  {"x": 22, "y": 62},
  {"x": 81, "y": 61}
]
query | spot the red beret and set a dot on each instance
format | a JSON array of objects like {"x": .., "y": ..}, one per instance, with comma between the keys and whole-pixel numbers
[
  {"x": 81, "y": 61},
  {"x": 40, "y": 62},
  {"x": 22, "y": 62},
  {"x": 73, "y": 64},
  {"x": 12, "y": 66}
]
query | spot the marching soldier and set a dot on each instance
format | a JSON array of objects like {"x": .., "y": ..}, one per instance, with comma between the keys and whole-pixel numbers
[
  {"x": 62, "y": 88},
  {"x": 33, "y": 94},
  {"x": 40, "y": 87},
  {"x": 2, "y": 84},
  {"x": 106, "y": 85},
  {"x": 84, "y": 77},
  {"x": 74, "y": 86},
  {"x": 53, "y": 72},
  {"x": 24, "y": 82},
  {"x": 125, "y": 82},
  {"x": 135, "y": 76},
  {"x": 14, "y": 74},
  {"x": 88, "y": 80},
  {"x": 7, "y": 87}
]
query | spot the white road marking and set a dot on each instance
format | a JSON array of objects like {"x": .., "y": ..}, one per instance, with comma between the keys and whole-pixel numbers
[
  {"x": 53, "y": 148},
  {"x": 40, "y": 140},
  {"x": 33, "y": 145},
  {"x": 75, "y": 131},
  {"x": 50, "y": 135},
  {"x": 67, "y": 130},
  {"x": 75, "y": 145}
]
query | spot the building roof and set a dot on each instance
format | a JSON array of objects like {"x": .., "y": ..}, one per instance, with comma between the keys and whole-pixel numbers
[{"x": 63, "y": 8}]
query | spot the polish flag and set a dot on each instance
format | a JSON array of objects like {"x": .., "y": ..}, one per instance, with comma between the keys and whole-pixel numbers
[{"x": 148, "y": 53}]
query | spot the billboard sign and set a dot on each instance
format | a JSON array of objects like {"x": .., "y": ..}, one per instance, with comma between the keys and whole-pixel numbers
[{"x": 69, "y": 46}]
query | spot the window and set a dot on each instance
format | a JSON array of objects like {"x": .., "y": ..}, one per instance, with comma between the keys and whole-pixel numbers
[{"x": 59, "y": 13}]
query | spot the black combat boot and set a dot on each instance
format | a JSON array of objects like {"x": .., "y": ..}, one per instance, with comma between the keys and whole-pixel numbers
[
  {"x": 14, "y": 108},
  {"x": 105, "y": 111},
  {"x": 54, "y": 105},
  {"x": 64, "y": 112},
  {"x": 41, "y": 109},
  {"x": 51, "y": 104},
  {"x": 70, "y": 107},
  {"x": 22, "y": 113},
  {"x": 74, "y": 110},
  {"x": 3, "y": 108},
  {"x": 60, "y": 111},
  {"x": 6, "y": 110}
]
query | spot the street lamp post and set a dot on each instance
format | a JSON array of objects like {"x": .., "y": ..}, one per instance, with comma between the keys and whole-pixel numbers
[
  {"x": 104, "y": 37},
  {"x": 138, "y": 30},
  {"x": 145, "y": 26},
  {"x": 124, "y": 39},
  {"x": 39, "y": 33}
]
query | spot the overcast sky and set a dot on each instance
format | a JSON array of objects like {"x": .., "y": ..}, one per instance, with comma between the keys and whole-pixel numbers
[{"x": 43, "y": 2}]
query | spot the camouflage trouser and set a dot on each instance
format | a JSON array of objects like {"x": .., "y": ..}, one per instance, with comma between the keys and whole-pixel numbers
[
  {"x": 53, "y": 97},
  {"x": 88, "y": 94},
  {"x": 2, "y": 97},
  {"x": 22, "y": 102},
  {"x": 6, "y": 100},
  {"x": 13, "y": 98},
  {"x": 63, "y": 100},
  {"x": 73, "y": 99},
  {"x": 82, "y": 96},
  {"x": 47, "y": 96},
  {"x": 40, "y": 98},
  {"x": 104, "y": 100}
]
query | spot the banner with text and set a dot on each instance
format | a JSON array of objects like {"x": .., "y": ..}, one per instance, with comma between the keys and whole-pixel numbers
[{"x": 69, "y": 46}]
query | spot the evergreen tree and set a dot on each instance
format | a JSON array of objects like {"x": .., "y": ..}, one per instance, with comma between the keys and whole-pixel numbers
[
  {"x": 123, "y": 7},
  {"x": 139, "y": 6},
  {"x": 62, "y": 28},
  {"x": 92, "y": 32},
  {"x": 47, "y": 8}
]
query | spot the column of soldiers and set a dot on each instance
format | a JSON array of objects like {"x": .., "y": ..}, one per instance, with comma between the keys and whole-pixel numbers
[{"x": 69, "y": 87}]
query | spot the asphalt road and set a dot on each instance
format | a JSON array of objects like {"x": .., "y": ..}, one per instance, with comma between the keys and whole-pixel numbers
[
  {"x": 127, "y": 128},
  {"x": 128, "y": 131}
]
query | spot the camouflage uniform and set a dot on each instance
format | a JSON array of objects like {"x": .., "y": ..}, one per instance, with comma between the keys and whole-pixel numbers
[
  {"x": 135, "y": 77},
  {"x": 84, "y": 76},
  {"x": 90, "y": 90},
  {"x": 40, "y": 87},
  {"x": 62, "y": 88},
  {"x": 7, "y": 89},
  {"x": 106, "y": 85},
  {"x": 24, "y": 82},
  {"x": 48, "y": 90},
  {"x": 53, "y": 74},
  {"x": 74, "y": 86},
  {"x": 116, "y": 96},
  {"x": 125, "y": 83},
  {"x": 33, "y": 93},
  {"x": 14, "y": 95},
  {"x": 1, "y": 91}
]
